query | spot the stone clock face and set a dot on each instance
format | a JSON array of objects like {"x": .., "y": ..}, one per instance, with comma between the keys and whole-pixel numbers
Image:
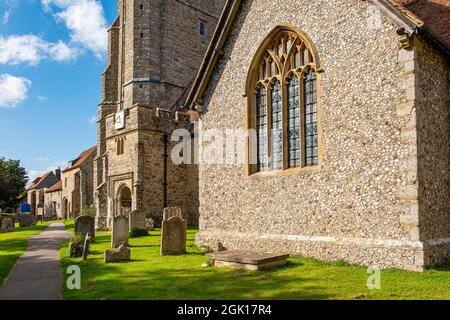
[{"x": 120, "y": 120}]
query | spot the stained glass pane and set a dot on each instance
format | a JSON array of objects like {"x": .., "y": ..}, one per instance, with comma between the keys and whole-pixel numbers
[
  {"x": 297, "y": 59},
  {"x": 311, "y": 132},
  {"x": 277, "y": 127},
  {"x": 288, "y": 45},
  {"x": 305, "y": 56},
  {"x": 294, "y": 123},
  {"x": 261, "y": 123},
  {"x": 272, "y": 69},
  {"x": 280, "y": 48}
]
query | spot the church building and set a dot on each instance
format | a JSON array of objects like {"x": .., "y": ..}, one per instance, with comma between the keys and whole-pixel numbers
[
  {"x": 155, "y": 49},
  {"x": 350, "y": 103}
]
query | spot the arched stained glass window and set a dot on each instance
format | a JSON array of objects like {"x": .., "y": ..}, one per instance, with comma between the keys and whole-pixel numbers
[
  {"x": 284, "y": 105},
  {"x": 261, "y": 123},
  {"x": 311, "y": 132},
  {"x": 294, "y": 150},
  {"x": 277, "y": 127}
]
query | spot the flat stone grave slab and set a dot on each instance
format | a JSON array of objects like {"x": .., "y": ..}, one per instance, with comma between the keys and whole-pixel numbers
[{"x": 248, "y": 260}]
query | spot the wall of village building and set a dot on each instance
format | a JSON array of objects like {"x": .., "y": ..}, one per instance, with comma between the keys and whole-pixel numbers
[
  {"x": 78, "y": 188},
  {"x": 53, "y": 203},
  {"x": 36, "y": 193},
  {"x": 154, "y": 50},
  {"x": 374, "y": 199}
]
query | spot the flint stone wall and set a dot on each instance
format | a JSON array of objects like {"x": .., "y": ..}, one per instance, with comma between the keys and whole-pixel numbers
[{"x": 360, "y": 204}]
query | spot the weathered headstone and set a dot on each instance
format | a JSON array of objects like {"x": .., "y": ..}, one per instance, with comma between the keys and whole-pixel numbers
[
  {"x": 137, "y": 220},
  {"x": 120, "y": 231},
  {"x": 26, "y": 220},
  {"x": 121, "y": 254},
  {"x": 149, "y": 224},
  {"x": 172, "y": 212},
  {"x": 173, "y": 233},
  {"x": 85, "y": 225},
  {"x": 7, "y": 224}
]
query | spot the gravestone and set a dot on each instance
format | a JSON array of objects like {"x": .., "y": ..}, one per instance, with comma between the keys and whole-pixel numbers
[
  {"x": 173, "y": 233},
  {"x": 7, "y": 224},
  {"x": 137, "y": 220},
  {"x": 172, "y": 212},
  {"x": 248, "y": 260},
  {"x": 86, "y": 244},
  {"x": 26, "y": 220},
  {"x": 123, "y": 253},
  {"x": 85, "y": 225},
  {"x": 120, "y": 231},
  {"x": 149, "y": 224}
]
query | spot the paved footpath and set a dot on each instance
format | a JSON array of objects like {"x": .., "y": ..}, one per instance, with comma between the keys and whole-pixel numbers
[{"x": 37, "y": 274}]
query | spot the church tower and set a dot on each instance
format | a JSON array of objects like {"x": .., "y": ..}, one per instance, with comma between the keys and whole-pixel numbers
[{"x": 155, "y": 49}]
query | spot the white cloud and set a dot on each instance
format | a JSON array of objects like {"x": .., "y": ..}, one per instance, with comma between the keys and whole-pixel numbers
[
  {"x": 86, "y": 21},
  {"x": 41, "y": 98},
  {"x": 93, "y": 119},
  {"x": 42, "y": 159},
  {"x": 5, "y": 18},
  {"x": 13, "y": 90},
  {"x": 62, "y": 52},
  {"x": 31, "y": 49}
]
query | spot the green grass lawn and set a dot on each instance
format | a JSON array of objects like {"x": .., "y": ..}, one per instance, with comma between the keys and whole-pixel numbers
[
  {"x": 150, "y": 276},
  {"x": 14, "y": 244}
]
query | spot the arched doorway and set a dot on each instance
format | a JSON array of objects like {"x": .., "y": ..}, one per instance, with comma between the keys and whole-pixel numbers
[
  {"x": 65, "y": 208},
  {"x": 124, "y": 200}
]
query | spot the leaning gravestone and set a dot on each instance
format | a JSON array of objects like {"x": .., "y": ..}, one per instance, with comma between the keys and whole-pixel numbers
[
  {"x": 173, "y": 234},
  {"x": 137, "y": 220},
  {"x": 120, "y": 231},
  {"x": 85, "y": 225},
  {"x": 86, "y": 244},
  {"x": 7, "y": 224}
]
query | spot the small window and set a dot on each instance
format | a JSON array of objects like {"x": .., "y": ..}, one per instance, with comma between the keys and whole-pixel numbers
[
  {"x": 120, "y": 146},
  {"x": 202, "y": 28},
  {"x": 142, "y": 7}
]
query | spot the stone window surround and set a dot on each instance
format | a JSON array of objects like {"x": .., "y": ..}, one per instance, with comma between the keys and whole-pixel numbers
[{"x": 250, "y": 97}]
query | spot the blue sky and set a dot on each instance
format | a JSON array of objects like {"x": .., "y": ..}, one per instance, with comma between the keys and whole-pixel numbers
[{"x": 52, "y": 55}]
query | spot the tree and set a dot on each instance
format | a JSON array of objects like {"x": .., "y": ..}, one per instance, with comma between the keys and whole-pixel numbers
[{"x": 13, "y": 179}]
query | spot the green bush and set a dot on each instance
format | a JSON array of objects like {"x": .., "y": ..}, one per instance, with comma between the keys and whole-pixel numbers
[
  {"x": 137, "y": 233},
  {"x": 90, "y": 211},
  {"x": 102, "y": 228}
]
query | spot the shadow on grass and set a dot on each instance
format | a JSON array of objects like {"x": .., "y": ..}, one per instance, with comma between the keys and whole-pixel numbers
[
  {"x": 193, "y": 283},
  {"x": 441, "y": 268}
]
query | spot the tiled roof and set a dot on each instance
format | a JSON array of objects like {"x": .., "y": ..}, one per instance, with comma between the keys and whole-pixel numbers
[
  {"x": 39, "y": 180},
  {"x": 33, "y": 185},
  {"x": 434, "y": 13},
  {"x": 56, "y": 187},
  {"x": 81, "y": 158}
]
